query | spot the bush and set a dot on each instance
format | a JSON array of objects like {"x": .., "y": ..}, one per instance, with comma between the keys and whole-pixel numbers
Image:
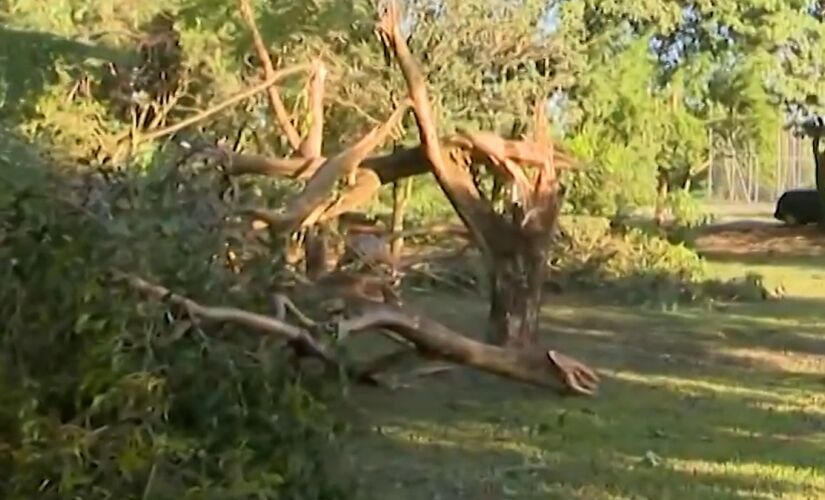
[
  {"x": 639, "y": 267},
  {"x": 105, "y": 395},
  {"x": 688, "y": 212}
]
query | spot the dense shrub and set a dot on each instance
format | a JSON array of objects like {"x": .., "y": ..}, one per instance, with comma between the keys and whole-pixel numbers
[
  {"x": 639, "y": 266},
  {"x": 106, "y": 395}
]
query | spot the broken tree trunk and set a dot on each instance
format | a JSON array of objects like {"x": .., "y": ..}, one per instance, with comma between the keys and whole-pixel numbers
[
  {"x": 513, "y": 247},
  {"x": 516, "y": 297}
]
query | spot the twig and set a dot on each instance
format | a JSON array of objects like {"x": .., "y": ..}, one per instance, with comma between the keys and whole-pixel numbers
[{"x": 355, "y": 107}]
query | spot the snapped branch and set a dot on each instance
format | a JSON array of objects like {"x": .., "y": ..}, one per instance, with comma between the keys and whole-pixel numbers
[
  {"x": 485, "y": 226},
  {"x": 310, "y": 205},
  {"x": 543, "y": 368}
]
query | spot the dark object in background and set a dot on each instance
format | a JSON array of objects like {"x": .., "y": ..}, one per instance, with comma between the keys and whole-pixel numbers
[{"x": 799, "y": 207}]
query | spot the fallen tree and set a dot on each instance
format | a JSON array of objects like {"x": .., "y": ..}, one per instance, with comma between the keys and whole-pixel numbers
[{"x": 514, "y": 240}]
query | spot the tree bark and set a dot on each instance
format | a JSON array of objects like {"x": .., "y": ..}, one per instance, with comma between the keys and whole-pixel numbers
[
  {"x": 400, "y": 195},
  {"x": 819, "y": 161},
  {"x": 536, "y": 366},
  {"x": 661, "y": 196},
  {"x": 315, "y": 249},
  {"x": 516, "y": 297}
]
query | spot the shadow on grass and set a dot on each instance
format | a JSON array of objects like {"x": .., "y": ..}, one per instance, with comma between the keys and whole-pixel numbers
[
  {"x": 683, "y": 411},
  {"x": 639, "y": 438},
  {"x": 766, "y": 244},
  {"x": 808, "y": 260}
]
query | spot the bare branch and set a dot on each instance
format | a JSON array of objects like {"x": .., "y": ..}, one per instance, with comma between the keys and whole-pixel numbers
[
  {"x": 525, "y": 152},
  {"x": 283, "y": 305},
  {"x": 311, "y": 147},
  {"x": 250, "y": 320},
  {"x": 275, "y": 101},
  {"x": 203, "y": 115},
  {"x": 486, "y": 227},
  {"x": 378, "y": 170},
  {"x": 293, "y": 168},
  {"x": 544, "y": 368}
]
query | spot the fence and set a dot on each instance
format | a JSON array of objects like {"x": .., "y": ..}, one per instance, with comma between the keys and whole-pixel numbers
[{"x": 736, "y": 176}]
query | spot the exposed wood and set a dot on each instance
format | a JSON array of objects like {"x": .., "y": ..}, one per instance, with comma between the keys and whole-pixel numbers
[
  {"x": 371, "y": 174},
  {"x": 307, "y": 207},
  {"x": 536, "y": 366},
  {"x": 488, "y": 230},
  {"x": 311, "y": 147},
  {"x": 318, "y": 247}
]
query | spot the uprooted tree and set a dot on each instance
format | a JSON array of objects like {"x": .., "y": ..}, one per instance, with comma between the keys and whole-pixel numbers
[{"x": 513, "y": 239}]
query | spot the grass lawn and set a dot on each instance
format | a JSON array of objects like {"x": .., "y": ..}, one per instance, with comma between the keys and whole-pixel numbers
[{"x": 699, "y": 403}]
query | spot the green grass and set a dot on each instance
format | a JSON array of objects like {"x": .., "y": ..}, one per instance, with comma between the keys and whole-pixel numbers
[{"x": 700, "y": 403}]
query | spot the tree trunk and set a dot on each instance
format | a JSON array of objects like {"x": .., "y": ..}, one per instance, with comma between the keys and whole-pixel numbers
[
  {"x": 661, "y": 196},
  {"x": 515, "y": 297},
  {"x": 819, "y": 161},
  {"x": 400, "y": 195},
  {"x": 321, "y": 254},
  {"x": 315, "y": 250}
]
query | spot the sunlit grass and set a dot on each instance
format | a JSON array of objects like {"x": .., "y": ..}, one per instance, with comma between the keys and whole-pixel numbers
[{"x": 700, "y": 403}]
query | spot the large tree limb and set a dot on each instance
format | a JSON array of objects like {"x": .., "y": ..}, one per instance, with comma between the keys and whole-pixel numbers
[
  {"x": 543, "y": 368},
  {"x": 307, "y": 207},
  {"x": 372, "y": 173},
  {"x": 253, "y": 321},
  {"x": 292, "y": 168},
  {"x": 489, "y": 231},
  {"x": 311, "y": 147},
  {"x": 275, "y": 101}
]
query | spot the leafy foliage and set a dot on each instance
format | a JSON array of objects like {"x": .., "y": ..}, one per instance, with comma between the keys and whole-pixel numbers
[
  {"x": 618, "y": 133},
  {"x": 105, "y": 395},
  {"x": 640, "y": 267}
]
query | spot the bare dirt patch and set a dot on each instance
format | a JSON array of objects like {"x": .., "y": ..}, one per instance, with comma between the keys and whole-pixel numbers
[{"x": 752, "y": 237}]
